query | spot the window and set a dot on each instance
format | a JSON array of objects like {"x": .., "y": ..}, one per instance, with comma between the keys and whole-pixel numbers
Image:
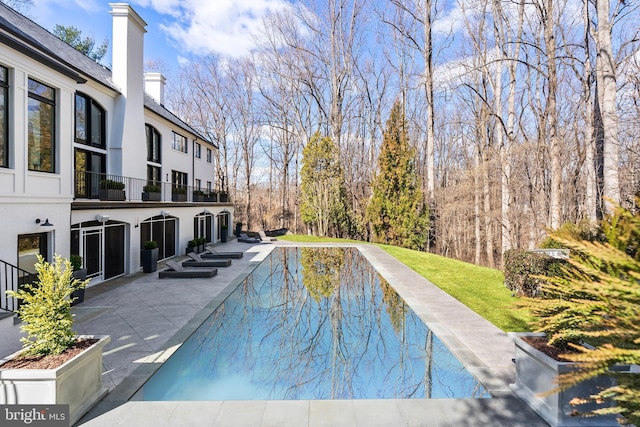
[
  {"x": 208, "y": 187},
  {"x": 198, "y": 150},
  {"x": 42, "y": 114},
  {"x": 208, "y": 155},
  {"x": 198, "y": 185},
  {"x": 4, "y": 117},
  {"x": 179, "y": 142},
  {"x": 153, "y": 144},
  {"x": 90, "y": 122},
  {"x": 179, "y": 180},
  {"x": 153, "y": 175}
]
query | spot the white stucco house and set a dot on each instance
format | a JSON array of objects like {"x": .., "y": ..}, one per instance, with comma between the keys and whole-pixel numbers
[{"x": 73, "y": 134}]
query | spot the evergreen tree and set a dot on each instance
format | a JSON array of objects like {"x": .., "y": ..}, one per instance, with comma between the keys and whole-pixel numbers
[
  {"x": 396, "y": 211},
  {"x": 323, "y": 205},
  {"x": 87, "y": 45}
]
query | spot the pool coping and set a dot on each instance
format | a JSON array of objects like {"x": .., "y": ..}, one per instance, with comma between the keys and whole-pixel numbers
[{"x": 484, "y": 350}]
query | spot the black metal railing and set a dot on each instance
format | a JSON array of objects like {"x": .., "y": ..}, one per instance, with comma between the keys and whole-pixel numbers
[
  {"x": 11, "y": 279},
  {"x": 101, "y": 186}
]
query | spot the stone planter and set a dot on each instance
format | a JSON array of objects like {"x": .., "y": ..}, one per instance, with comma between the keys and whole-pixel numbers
[
  {"x": 151, "y": 196},
  {"x": 78, "y": 382},
  {"x": 537, "y": 373},
  {"x": 178, "y": 197},
  {"x": 111, "y": 194},
  {"x": 149, "y": 260},
  {"x": 78, "y": 295}
]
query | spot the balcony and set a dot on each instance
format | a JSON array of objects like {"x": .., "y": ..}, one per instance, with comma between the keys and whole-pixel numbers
[{"x": 105, "y": 187}]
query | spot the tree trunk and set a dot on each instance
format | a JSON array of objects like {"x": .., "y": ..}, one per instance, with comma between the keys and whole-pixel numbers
[{"x": 606, "y": 78}]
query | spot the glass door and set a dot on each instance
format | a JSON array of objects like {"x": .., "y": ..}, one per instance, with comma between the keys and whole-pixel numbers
[{"x": 92, "y": 239}]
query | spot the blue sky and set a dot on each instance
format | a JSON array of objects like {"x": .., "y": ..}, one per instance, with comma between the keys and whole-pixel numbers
[{"x": 177, "y": 30}]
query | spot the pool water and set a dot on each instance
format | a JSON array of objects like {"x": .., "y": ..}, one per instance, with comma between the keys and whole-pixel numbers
[{"x": 312, "y": 323}]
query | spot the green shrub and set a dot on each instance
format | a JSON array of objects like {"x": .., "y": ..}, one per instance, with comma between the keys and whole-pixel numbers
[
  {"x": 150, "y": 244},
  {"x": 76, "y": 262},
  {"x": 192, "y": 243},
  {"x": 151, "y": 188},
  {"x": 109, "y": 184},
  {"x": 523, "y": 268},
  {"x": 46, "y": 308}
]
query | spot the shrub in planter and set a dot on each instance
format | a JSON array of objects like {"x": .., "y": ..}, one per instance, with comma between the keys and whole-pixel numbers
[
  {"x": 149, "y": 256},
  {"x": 111, "y": 190},
  {"x": 596, "y": 300},
  {"x": 47, "y": 312},
  {"x": 151, "y": 193},
  {"x": 110, "y": 184}
]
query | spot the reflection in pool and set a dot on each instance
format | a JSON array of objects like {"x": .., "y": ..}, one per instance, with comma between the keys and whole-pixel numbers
[{"x": 312, "y": 323}]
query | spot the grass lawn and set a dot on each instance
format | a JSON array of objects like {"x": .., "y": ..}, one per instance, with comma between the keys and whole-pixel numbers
[{"x": 479, "y": 288}]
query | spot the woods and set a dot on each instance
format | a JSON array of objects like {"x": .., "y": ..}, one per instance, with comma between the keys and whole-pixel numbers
[{"x": 521, "y": 116}]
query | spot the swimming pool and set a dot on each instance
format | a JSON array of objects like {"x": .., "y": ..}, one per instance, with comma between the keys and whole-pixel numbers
[{"x": 312, "y": 323}]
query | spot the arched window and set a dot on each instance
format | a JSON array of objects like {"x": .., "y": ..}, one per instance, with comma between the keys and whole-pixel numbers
[
  {"x": 90, "y": 122},
  {"x": 154, "y": 158}
]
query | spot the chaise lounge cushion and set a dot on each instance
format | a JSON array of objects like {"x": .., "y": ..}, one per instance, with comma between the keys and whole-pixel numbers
[
  {"x": 175, "y": 270},
  {"x": 265, "y": 238},
  {"x": 246, "y": 239},
  {"x": 213, "y": 254},
  {"x": 197, "y": 261}
]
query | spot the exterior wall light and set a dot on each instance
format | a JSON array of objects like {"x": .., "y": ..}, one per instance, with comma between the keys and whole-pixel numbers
[{"x": 46, "y": 222}]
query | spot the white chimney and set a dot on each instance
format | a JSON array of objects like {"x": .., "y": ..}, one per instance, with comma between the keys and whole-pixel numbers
[
  {"x": 128, "y": 133},
  {"x": 154, "y": 84}
]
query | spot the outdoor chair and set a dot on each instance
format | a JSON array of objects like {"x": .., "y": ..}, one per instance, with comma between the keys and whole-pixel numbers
[
  {"x": 246, "y": 239},
  {"x": 265, "y": 238},
  {"x": 213, "y": 254},
  {"x": 175, "y": 270},
  {"x": 197, "y": 261}
]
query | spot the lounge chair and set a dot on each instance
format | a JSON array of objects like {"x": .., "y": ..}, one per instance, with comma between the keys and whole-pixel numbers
[
  {"x": 197, "y": 261},
  {"x": 246, "y": 239},
  {"x": 213, "y": 254},
  {"x": 175, "y": 270},
  {"x": 266, "y": 238}
]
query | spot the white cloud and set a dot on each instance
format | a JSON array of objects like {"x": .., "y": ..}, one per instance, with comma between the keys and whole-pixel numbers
[{"x": 227, "y": 27}]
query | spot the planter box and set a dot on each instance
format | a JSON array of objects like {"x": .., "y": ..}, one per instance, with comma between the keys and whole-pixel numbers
[
  {"x": 151, "y": 197},
  {"x": 149, "y": 260},
  {"x": 77, "y": 382},
  {"x": 178, "y": 197},
  {"x": 110, "y": 194},
  {"x": 537, "y": 373},
  {"x": 198, "y": 197},
  {"x": 78, "y": 294}
]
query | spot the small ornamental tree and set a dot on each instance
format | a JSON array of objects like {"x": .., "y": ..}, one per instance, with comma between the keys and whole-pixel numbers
[
  {"x": 396, "y": 210},
  {"x": 46, "y": 307}
]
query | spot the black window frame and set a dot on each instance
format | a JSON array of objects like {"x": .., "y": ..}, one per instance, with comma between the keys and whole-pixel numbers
[
  {"x": 90, "y": 106},
  {"x": 38, "y": 96},
  {"x": 179, "y": 143},
  {"x": 154, "y": 144},
  {"x": 4, "y": 125}
]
